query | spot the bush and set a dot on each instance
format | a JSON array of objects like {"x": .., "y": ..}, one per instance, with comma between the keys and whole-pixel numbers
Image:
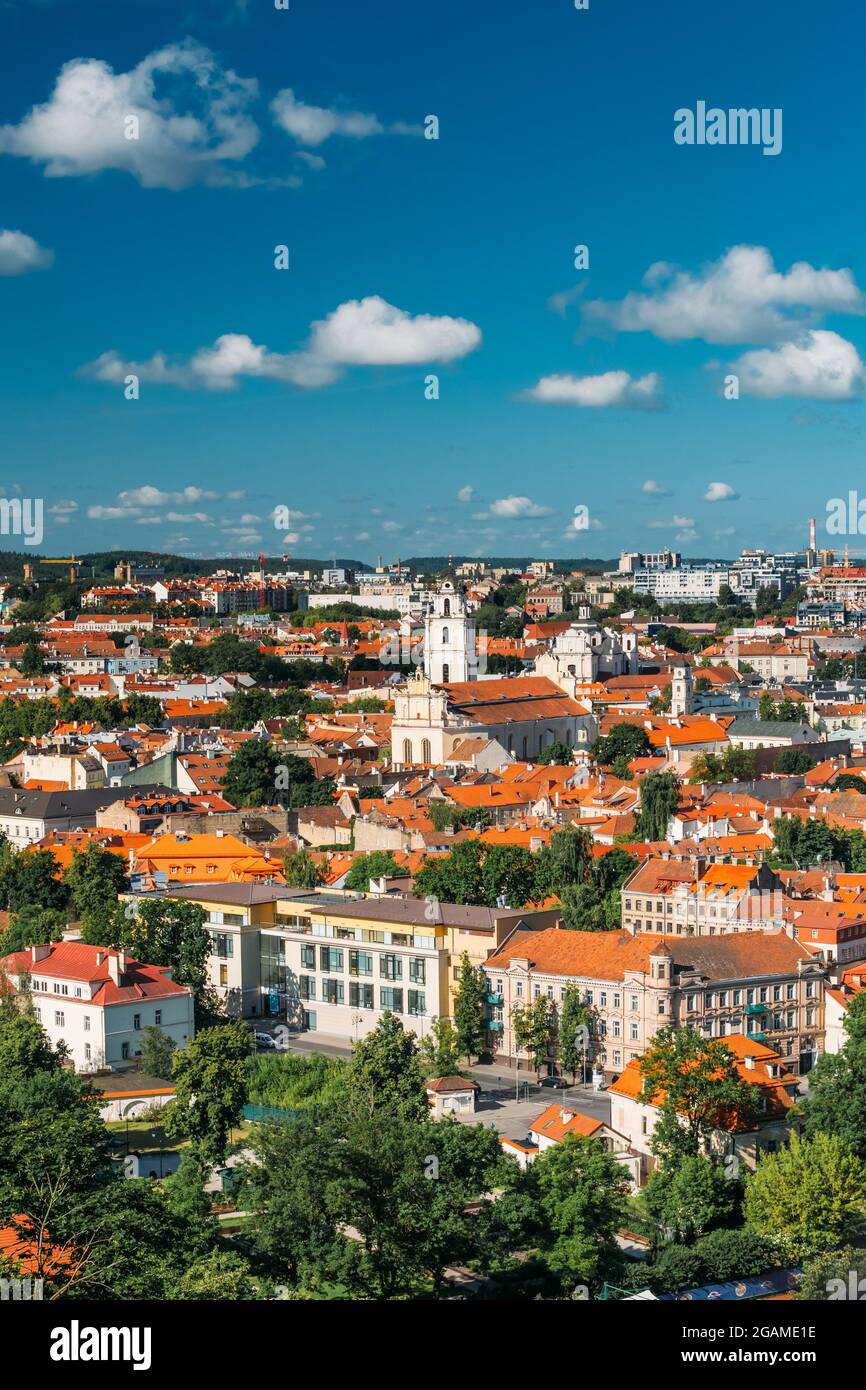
[{"x": 289, "y": 1081}]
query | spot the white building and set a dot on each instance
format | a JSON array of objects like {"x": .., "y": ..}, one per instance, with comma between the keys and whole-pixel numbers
[
  {"x": 585, "y": 653},
  {"x": 98, "y": 1001},
  {"x": 449, "y": 639}
]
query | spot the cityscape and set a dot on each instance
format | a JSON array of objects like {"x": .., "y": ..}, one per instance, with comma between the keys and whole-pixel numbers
[{"x": 432, "y": 670}]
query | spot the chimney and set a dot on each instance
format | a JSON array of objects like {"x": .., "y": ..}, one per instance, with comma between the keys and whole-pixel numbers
[
  {"x": 749, "y": 1062},
  {"x": 39, "y": 953}
]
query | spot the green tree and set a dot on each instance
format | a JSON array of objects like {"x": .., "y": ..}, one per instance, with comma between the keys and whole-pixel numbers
[
  {"x": 624, "y": 741},
  {"x": 157, "y": 1051},
  {"x": 556, "y": 754},
  {"x": 301, "y": 870},
  {"x": 810, "y": 1195},
  {"x": 251, "y": 774},
  {"x": 439, "y": 1049},
  {"x": 95, "y": 878},
  {"x": 836, "y": 1103},
  {"x": 793, "y": 760},
  {"x": 469, "y": 1009},
  {"x": 582, "y": 1192},
  {"x": 698, "y": 1084},
  {"x": 379, "y": 864},
  {"x": 574, "y": 1033},
  {"x": 32, "y": 926},
  {"x": 386, "y": 1073},
  {"x": 533, "y": 1028},
  {"x": 659, "y": 799},
  {"x": 220, "y": 1276},
  {"x": 210, "y": 1078},
  {"x": 171, "y": 932},
  {"x": 830, "y": 1276},
  {"x": 690, "y": 1197}
]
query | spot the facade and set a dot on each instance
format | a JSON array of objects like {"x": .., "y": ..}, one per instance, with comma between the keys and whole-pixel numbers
[
  {"x": 27, "y": 816},
  {"x": 99, "y": 1001},
  {"x": 688, "y": 897},
  {"x": 525, "y": 714},
  {"x": 449, "y": 639},
  {"x": 330, "y": 962},
  {"x": 741, "y": 1140},
  {"x": 760, "y": 983},
  {"x": 586, "y": 653}
]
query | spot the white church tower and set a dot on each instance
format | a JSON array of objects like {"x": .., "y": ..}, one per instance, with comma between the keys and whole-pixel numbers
[
  {"x": 449, "y": 639},
  {"x": 682, "y": 690}
]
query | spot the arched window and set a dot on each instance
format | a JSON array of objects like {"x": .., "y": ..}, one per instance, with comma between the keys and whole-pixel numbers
[
  {"x": 445, "y": 637},
  {"x": 446, "y": 673},
  {"x": 446, "y": 608},
  {"x": 425, "y": 751},
  {"x": 407, "y": 750}
]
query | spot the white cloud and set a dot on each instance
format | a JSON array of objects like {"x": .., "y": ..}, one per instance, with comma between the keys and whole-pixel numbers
[
  {"x": 367, "y": 332},
  {"x": 363, "y": 536},
  {"x": 466, "y": 494},
  {"x": 725, "y": 531},
  {"x": 190, "y": 130},
  {"x": 821, "y": 366},
  {"x": 100, "y": 513},
  {"x": 153, "y": 519},
  {"x": 65, "y": 507},
  {"x": 518, "y": 506},
  {"x": 739, "y": 298},
  {"x": 720, "y": 492},
  {"x": 391, "y": 526},
  {"x": 654, "y": 489},
  {"x": 607, "y": 389},
  {"x": 687, "y": 535},
  {"x": 185, "y": 517},
  {"x": 149, "y": 496},
  {"x": 20, "y": 254},
  {"x": 674, "y": 521},
  {"x": 313, "y": 125}
]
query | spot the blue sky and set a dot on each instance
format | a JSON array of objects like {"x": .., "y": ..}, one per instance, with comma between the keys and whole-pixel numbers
[{"x": 305, "y": 388}]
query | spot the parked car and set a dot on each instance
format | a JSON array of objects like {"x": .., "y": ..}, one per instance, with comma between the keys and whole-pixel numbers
[{"x": 265, "y": 1041}]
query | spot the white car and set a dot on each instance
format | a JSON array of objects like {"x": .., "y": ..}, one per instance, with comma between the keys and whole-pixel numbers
[{"x": 265, "y": 1040}]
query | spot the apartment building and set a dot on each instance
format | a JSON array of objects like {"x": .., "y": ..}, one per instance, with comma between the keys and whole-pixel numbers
[
  {"x": 98, "y": 1001},
  {"x": 689, "y": 897},
  {"x": 27, "y": 816},
  {"x": 742, "y": 1138},
  {"x": 760, "y": 983},
  {"x": 331, "y": 962}
]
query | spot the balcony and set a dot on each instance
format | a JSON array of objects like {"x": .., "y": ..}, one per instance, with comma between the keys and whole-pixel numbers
[
  {"x": 752, "y": 1009},
  {"x": 493, "y": 998},
  {"x": 757, "y": 1037},
  {"x": 494, "y": 1025}
]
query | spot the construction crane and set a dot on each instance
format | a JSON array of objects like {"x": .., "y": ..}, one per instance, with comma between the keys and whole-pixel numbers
[{"x": 72, "y": 561}]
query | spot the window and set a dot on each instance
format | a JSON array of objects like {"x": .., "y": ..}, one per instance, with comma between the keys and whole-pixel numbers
[
  {"x": 426, "y": 754},
  {"x": 360, "y": 963},
  {"x": 87, "y": 1023},
  {"x": 222, "y": 944},
  {"x": 444, "y": 636},
  {"x": 391, "y": 967},
  {"x": 407, "y": 750},
  {"x": 634, "y": 1005},
  {"x": 308, "y": 957},
  {"x": 124, "y": 1050},
  {"x": 332, "y": 991},
  {"x": 417, "y": 970},
  {"x": 616, "y": 999},
  {"x": 518, "y": 989},
  {"x": 87, "y": 1052},
  {"x": 391, "y": 999},
  {"x": 602, "y": 999},
  {"x": 616, "y": 1028},
  {"x": 306, "y": 987},
  {"x": 136, "y": 1022},
  {"x": 59, "y": 1019},
  {"x": 446, "y": 673},
  {"x": 330, "y": 958},
  {"x": 157, "y": 1018},
  {"x": 416, "y": 1001},
  {"x": 360, "y": 996},
  {"x": 633, "y": 1032}
]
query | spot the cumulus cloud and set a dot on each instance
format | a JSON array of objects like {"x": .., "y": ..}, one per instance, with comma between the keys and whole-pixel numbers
[
  {"x": 671, "y": 523},
  {"x": 361, "y": 332},
  {"x": 607, "y": 389},
  {"x": 20, "y": 254},
  {"x": 313, "y": 125},
  {"x": 654, "y": 489},
  {"x": 720, "y": 492},
  {"x": 821, "y": 366},
  {"x": 512, "y": 507},
  {"x": 466, "y": 493},
  {"x": 739, "y": 298},
  {"x": 194, "y": 128}
]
